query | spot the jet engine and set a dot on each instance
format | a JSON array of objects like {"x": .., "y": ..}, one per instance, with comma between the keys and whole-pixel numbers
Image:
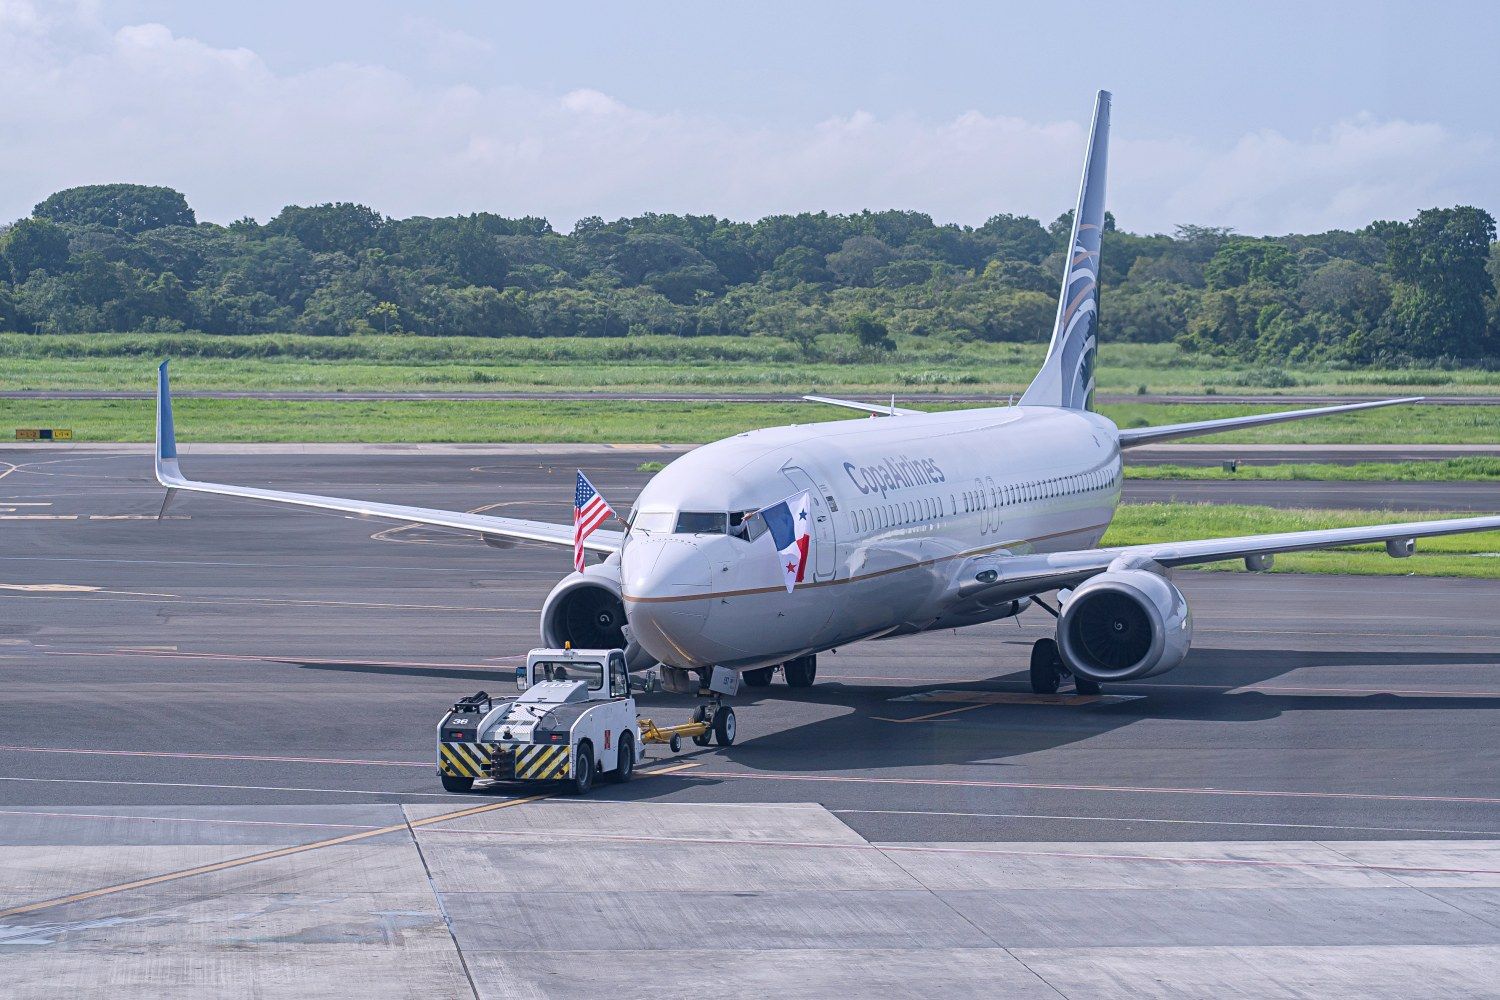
[
  {"x": 1124, "y": 624},
  {"x": 585, "y": 609}
]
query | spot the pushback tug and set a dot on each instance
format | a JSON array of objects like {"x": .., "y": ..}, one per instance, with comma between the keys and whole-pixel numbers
[{"x": 574, "y": 718}]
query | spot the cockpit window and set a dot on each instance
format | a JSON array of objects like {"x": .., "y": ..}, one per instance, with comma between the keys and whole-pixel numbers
[
  {"x": 701, "y": 523},
  {"x": 653, "y": 520},
  {"x": 744, "y": 524}
]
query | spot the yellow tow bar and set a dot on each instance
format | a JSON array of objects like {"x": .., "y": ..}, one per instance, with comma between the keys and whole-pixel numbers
[{"x": 698, "y": 730}]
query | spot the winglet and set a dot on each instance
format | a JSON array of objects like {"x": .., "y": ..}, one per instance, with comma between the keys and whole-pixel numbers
[{"x": 167, "y": 472}]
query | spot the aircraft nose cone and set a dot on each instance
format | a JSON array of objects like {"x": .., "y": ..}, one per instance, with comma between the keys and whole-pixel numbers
[{"x": 664, "y": 583}]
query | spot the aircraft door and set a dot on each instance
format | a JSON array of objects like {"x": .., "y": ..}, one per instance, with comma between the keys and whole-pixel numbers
[{"x": 824, "y": 557}]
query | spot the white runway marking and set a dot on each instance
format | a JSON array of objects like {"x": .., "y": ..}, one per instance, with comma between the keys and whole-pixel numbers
[
  {"x": 221, "y": 756},
  {"x": 183, "y": 819},
  {"x": 981, "y": 849},
  {"x": 1045, "y": 786},
  {"x": 139, "y": 517},
  {"x": 251, "y": 788},
  {"x": 1142, "y": 819}
]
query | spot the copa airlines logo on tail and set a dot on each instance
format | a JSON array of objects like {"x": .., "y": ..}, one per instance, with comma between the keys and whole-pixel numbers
[{"x": 788, "y": 523}]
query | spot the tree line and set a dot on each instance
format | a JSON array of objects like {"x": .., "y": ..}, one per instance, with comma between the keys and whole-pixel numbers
[{"x": 125, "y": 257}]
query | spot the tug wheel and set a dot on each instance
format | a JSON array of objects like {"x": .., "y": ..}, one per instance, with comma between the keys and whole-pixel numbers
[
  {"x": 583, "y": 769},
  {"x": 1046, "y": 666},
  {"x": 675, "y": 743},
  {"x": 625, "y": 767},
  {"x": 724, "y": 726},
  {"x": 452, "y": 783}
]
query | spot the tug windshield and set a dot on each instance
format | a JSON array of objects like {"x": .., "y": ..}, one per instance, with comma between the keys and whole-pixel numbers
[{"x": 569, "y": 670}]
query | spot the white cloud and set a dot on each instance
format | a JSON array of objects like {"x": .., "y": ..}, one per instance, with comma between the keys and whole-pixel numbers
[{"x": 83, "y": 103}]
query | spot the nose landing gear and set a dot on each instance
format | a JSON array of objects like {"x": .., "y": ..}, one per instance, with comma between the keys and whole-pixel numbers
[{"x": 1048, "y": 670}]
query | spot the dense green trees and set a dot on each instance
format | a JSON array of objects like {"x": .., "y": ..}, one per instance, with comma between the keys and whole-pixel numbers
[
  {"x": 133, "y": 208},
  {"x": 130, "y": 257}
]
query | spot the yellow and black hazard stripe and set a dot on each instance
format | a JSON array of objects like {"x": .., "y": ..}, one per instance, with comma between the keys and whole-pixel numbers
[
  {"x": 463, "y": 760},
  {"x": 542, "y": 763}
]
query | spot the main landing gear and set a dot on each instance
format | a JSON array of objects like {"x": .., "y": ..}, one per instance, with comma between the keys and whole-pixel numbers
[
  {"x": 799, "y": 673},
  {"x": 1048, "y": 670}
]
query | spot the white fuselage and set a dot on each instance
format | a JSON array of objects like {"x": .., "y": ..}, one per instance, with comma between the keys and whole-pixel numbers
[{"x": 903, "y": 507}]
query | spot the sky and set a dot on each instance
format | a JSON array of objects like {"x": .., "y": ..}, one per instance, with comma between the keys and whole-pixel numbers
[{"x": 1271, "y": 117}]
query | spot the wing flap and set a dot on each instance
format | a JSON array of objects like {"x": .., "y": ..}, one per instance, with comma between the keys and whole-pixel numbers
[{"x": 169, "y": 474}]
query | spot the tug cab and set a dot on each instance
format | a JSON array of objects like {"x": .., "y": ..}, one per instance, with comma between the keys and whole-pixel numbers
[{"x": 573, "y": 718}]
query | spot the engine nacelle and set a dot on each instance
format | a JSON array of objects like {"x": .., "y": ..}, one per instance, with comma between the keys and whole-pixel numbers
[
  {"x": 1123, "y": 625},
  {"x": 585, "y": 609}
]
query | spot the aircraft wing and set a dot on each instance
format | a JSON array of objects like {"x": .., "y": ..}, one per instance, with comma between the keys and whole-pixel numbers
[
  {"x": 854, "y": 404},
  {"x": 1130, "y": 437},
  {"x": 1023, "y": 575},
  {"x": 170, "y": 475}
]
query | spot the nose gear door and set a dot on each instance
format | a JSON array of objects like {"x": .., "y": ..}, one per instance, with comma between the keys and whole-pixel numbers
[{"x": 824, "y": 556}]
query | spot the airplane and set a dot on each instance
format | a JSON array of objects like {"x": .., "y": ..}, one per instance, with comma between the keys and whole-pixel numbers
[{"x": 922, "y": 521}]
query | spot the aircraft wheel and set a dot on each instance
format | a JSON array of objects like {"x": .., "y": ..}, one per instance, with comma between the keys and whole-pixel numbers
[
  {"x": 1085, "y": 686},
  {"x": 452, "y": 783},
  {"x": 1046, "y": 666},
  {"x": 800, "y": 672},
  {"x": 625, "y": 766},
  {"x": 724, "y": 726},
  {"x": 758, "y": 678},
  {"x": 583, "y": 769},
  {"x": 700, "y": 714}
]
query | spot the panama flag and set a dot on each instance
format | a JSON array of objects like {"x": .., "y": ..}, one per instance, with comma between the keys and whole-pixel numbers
[{"x": 788, "y": 523}]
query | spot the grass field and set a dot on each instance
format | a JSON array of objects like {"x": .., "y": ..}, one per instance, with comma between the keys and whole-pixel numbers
[
  {"x": 225, "y": 420},
  {"x": 1475, "y": 555},
  {"x": 656, "y": 363}
]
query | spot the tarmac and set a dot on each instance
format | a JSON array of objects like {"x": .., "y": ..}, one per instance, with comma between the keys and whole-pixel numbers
[{"x": 216, "y": 774}]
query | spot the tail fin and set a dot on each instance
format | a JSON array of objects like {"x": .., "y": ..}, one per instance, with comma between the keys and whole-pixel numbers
[{"x": 1067, "y": 376}]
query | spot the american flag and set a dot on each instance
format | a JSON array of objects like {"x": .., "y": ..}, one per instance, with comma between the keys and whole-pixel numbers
[{"x": 590, "y": 510}]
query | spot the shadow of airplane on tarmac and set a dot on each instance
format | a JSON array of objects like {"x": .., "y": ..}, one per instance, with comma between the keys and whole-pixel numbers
[{"x": 851, "y": 732}]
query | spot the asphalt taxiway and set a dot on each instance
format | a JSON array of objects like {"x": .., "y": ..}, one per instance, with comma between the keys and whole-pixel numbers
[{"x": 215, "y": 762}]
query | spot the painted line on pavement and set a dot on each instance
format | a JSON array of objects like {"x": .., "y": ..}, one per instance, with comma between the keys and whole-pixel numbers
[
  {"x": 933, "y": 715},
  {"x": 183, "y": 819},
  {"x": 984, "y": 851},
  {"x": 202, "y": 784},
  {"x": 1144, "y": 819},
  {"x": 351, "y": 838},
  {"x": 1042, "y": 786},
  {"x": 263, "y": 758},
  {"x": 278, "y": 602}
]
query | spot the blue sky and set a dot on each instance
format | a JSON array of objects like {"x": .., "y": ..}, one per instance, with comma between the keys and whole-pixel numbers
[{"x": 1269, "y": 117}]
